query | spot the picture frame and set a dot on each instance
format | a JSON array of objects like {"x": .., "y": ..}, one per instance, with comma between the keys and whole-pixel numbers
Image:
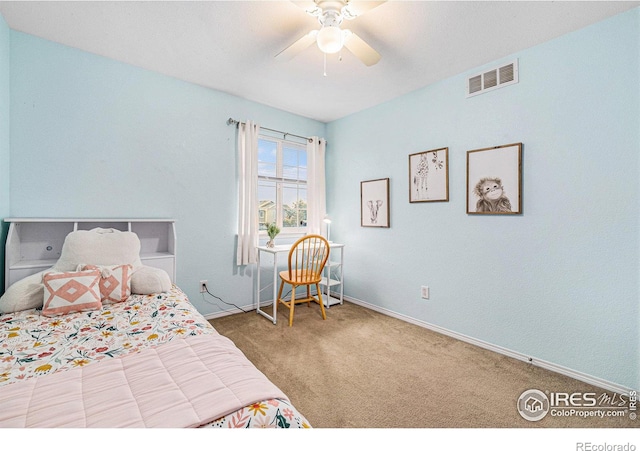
[
  {"x": 494, "y": 180},
  {"x": 374, "y": 203},
  {"x": 429, "y": 176}
]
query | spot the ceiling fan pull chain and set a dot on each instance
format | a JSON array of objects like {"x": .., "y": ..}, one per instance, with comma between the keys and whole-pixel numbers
[{"x": 325, "y": 64}]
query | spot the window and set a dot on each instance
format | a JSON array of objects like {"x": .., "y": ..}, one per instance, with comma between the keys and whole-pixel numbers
[{"x": 282, "y": 184}]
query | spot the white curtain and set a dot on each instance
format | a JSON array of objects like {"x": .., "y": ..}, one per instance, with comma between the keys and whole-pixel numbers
[
  {"x": 247, "y": 193},
  {"x": 316, "y": 195}
]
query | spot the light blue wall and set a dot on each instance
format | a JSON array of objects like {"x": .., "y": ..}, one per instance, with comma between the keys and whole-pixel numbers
[
  {"x": 92, "y": 137},
  {"x": 5, "y": 142},
  {"x": 559, "y": 282}
]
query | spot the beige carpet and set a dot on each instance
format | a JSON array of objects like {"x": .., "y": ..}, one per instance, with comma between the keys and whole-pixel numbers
[{"x": 362, "y": 369}]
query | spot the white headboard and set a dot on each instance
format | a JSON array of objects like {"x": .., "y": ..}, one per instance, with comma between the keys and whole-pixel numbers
[{"x": 34, "y": 244}]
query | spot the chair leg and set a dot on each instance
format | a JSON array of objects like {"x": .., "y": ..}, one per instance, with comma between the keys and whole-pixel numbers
[
  {"x": 324, "y": 316},
  {"x": 280, "y": 291},
  {"x": 292, "y": 304},
  {"x": 309, "y": 295}
]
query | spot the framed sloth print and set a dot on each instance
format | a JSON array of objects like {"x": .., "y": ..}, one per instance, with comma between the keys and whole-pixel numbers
[{"x": 494, "y": 180}]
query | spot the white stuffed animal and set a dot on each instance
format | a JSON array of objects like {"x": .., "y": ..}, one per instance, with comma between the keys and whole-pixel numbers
[{"x": 100, "y": 247}]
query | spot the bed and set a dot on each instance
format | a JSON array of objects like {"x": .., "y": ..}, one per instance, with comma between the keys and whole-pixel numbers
[{"x": 147, "y": 360}]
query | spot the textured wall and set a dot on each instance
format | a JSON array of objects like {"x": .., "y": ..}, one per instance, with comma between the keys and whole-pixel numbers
[
  {"x": 5, "y": 89},
  {"x": 559, "y": 282},
  {"x": 92, "y": 137}
]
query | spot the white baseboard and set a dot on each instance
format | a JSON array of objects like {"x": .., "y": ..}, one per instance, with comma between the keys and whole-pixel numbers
[
  {"x": 610, "y": 386},
  {"x": 595, "y": 381},
  {"x": 334, "y": 300},
  {"x": 249, "y": 308}
]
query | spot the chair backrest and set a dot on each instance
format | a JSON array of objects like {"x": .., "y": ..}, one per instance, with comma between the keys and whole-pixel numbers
[{"x": 307, "y": 258}]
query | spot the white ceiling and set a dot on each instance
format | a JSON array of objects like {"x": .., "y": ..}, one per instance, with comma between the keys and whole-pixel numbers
[{"x": 230, "y": 45}]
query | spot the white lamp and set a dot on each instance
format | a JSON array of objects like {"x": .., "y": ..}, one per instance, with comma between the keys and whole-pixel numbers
[
  {"x": 330, "y": 39},
  {"x": 327, "y": 221}
]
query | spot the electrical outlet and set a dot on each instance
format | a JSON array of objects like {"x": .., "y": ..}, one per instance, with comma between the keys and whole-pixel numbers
[
  {"x": 203, "y": 286},
  {"x": 424, "y": 292}
]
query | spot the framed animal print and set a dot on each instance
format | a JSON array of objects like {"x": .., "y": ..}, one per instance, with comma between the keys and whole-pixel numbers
[
  {"x": 374, "y": 203},
  {"x": 429, "y": 176},
  {"x": 494, "y": 180}
]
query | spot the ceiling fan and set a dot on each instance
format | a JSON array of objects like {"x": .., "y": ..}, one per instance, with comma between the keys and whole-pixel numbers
[{"x": 330, "y": 38}]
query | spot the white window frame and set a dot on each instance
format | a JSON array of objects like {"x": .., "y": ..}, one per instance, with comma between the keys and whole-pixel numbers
[{"x": 280, "y": 181}]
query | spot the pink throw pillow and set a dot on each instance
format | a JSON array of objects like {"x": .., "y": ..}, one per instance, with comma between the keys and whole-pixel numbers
[
  {"x": 70, "y": 292},
  {"x": 115, "y": 282}
]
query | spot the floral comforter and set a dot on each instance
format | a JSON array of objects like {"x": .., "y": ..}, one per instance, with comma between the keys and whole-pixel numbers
[{"x": 32, "y": 345}]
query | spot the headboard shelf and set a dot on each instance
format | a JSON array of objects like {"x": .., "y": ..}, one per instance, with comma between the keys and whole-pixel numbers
[
  {"x": 27, "y": 264},
  {"x": 35, "y": 244}
]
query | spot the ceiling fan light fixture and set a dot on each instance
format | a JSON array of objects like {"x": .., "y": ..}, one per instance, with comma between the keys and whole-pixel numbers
[{"x": 330, "y": 39}]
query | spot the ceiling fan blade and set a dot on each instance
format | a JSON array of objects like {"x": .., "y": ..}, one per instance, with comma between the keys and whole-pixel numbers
[
  {"x": 309, "y": 6},
  {"x": 298, "y": 46},
  {"x": 363, "y": 51},
  {"x": 354, "y": 9}
]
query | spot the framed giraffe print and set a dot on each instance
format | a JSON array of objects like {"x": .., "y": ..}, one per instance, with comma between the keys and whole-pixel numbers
[{"x": 429, "y": 176}]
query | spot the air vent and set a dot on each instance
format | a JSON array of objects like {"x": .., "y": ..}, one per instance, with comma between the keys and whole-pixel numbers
[
  {"x": 489, "y": 80},
  {"x": 475, "y": 84}
]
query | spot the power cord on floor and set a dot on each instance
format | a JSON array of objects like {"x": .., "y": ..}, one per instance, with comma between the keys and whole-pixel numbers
[{"x": 220, "y": 299}]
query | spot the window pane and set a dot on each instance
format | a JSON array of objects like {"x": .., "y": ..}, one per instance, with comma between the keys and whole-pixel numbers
[
  {"x": 295, "y": 206},
  {"x": 302, "y": 164},
  {"x": 302, "y": 207},
  {"x": 267, "y": 151},
  {"x": 290, "y": 156},
  {"x": 283, "y": 199},
  {"x": 266, "y": 169},
  {"x": 294, "y": 163},
  {"x": 290, "y": 172},
  {"x": 266, "y": 204},
  {"x": 267, "y": 158}
]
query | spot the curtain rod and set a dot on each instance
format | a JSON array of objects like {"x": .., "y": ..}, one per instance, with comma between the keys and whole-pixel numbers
[{"x": 236, "y": 123}]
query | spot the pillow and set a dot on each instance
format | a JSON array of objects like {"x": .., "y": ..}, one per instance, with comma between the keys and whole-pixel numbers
[
  {"x": 149, "y": 280},
  {"x": 69, "y": 292},
  {"x": 115, "y": 282},
  {"x": 99, "y": 247},
  {"x": 24, "y": 294}
]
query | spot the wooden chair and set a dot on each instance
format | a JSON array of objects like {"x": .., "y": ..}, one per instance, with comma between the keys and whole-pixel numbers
[{"x": 307, "y": 258}]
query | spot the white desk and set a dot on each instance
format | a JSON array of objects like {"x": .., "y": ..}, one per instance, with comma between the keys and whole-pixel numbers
[{"x": 327, "y": 281}]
